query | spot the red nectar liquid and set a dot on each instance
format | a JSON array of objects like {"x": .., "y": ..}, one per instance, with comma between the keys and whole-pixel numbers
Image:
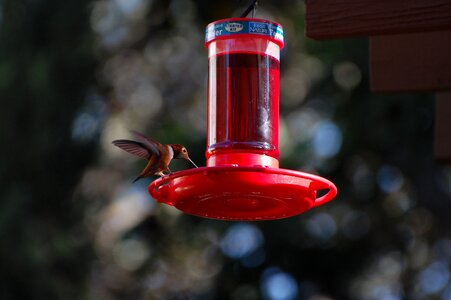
[{"x": 243, "y": 109}]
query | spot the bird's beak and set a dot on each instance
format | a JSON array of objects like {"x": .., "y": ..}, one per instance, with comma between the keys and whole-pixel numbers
[{"x": 189, "y": 159}]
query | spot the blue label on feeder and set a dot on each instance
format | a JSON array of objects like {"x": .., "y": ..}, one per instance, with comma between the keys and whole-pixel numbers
[{"x": 238, "y": 27}]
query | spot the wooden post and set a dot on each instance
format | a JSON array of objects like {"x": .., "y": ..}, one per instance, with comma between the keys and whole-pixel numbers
[
  {"x": 411, "y": 62},
  {"x": 328, "y": 19},
  {"x": 410, "y": 47}
]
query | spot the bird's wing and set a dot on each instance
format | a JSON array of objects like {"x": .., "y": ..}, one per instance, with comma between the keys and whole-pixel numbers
[
  {"x": 136, "y": 148},
  {"x": 149, "y": 142}
]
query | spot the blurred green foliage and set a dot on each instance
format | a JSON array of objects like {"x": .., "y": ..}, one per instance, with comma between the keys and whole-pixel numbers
[{"x": 46, "y": 67}]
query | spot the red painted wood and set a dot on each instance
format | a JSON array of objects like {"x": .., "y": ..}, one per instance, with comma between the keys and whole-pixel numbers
[
  {"x": 442, "y": 140},
  {"x": 327, "y": 19},
  {"x": 411, "y": 62}
]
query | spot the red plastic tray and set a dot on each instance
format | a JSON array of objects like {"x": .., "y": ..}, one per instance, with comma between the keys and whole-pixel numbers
[{"x": 242, "y": 193}]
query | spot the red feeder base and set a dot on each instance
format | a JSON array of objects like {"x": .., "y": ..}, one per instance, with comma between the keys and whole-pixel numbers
[{"x": 242, "y": 193}]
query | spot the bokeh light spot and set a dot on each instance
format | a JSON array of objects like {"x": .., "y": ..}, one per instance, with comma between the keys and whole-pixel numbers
[
  {"x": 241, "y": 240},
  {"x": 434, "y": 277},
  {"x": 446, "y": 295},
  {"x": 327, "y": 139},
  {"x": 133, "y": 9},
  {"x": 278, "y": 285},
  {"x": 389, "y": 178},
  {"x": 380, "y": 292},
  {"x": 301, "y": 124},
  {"x": 104, "y": 17},
  {"x": 322, "y": 226},
  {"x": 347, "y": 75},
  {"x": 130, "y": 254},
  {"x": 89, "y": 121}
]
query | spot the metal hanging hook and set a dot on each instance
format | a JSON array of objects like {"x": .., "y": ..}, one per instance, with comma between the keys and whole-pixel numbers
[{"x": 252, "y": 7}]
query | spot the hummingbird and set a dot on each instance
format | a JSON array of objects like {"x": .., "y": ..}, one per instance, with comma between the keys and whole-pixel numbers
[{"x": 158, "y": 155}]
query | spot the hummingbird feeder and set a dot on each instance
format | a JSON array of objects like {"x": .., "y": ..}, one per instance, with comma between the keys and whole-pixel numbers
[{"x": 242, "y": 179}]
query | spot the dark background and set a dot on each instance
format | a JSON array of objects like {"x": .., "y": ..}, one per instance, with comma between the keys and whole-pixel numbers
[{"x": 76, "y": 74}]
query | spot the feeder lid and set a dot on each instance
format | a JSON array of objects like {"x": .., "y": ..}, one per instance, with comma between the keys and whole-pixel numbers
[
  {"x": 244, "y": 27},
  {"x": 242, "y": 193}
]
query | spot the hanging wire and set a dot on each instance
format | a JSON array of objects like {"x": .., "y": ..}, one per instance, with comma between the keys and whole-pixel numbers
[{"x": 252, "y": 7}]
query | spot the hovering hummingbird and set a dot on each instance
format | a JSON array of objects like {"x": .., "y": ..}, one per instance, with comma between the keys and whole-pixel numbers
[{"x": 158, "y": 155}]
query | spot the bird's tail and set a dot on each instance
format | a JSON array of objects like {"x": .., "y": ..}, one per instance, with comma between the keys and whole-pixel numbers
[{"x": 138, "y": 178}]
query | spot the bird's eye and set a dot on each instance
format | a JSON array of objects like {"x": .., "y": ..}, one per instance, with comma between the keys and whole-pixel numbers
[{"x": 184, "y": 150}]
